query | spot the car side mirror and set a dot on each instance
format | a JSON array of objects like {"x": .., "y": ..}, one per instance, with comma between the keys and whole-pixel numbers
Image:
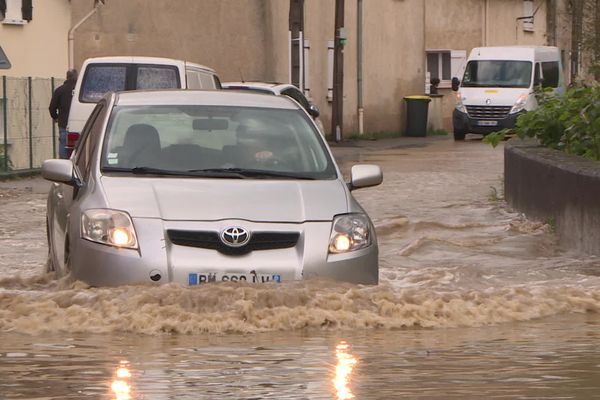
[
  {"x": 365, "y": 175},
  {"x": 313, "y": 110},
  {"x": 455, "y": 84},
  {"x": 59, "y": 171}
]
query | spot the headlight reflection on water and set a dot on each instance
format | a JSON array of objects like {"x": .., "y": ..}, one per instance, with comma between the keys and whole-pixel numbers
[
  {"x": 120, "y": 385},
  {"x": 343, "y": 371}
]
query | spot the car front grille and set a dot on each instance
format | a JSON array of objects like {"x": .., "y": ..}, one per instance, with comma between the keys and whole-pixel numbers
[
  {"x": 488, "y": 112},
  {"x": 211, "y": 240}
]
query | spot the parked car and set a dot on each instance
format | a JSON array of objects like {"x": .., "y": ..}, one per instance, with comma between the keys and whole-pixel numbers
[
  {"x": 200, "y": 186},
  {"x": 101, "y": 75},
  {"x": 279, "y": 89}
]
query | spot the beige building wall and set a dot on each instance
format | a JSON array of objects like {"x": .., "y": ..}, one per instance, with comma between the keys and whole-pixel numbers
[
  {"x": 250, "y": 40},
  {"x": 39, "y": 47},
  {"x": 237, "y": 38}
]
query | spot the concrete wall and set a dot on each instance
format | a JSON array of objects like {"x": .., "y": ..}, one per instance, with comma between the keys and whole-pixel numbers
[
  {"x": 549, "y": 185},
  {"x": 39, "y": 47},
  {"x": 236, "y": 38}
]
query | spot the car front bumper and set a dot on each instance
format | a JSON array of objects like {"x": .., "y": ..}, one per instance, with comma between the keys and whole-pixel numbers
[
  {"x": 159, "y": 261},
  {"x": 462, "y": 122}
]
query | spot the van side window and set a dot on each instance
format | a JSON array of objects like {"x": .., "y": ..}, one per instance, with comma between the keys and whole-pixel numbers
[
  {"x": 550, "y": 71},
  {"x": 193, "y": 80},
  {"x": 100, "y": 79},
  {"x": 156, "y": 77},
  {"x": 206, "y": 80}
]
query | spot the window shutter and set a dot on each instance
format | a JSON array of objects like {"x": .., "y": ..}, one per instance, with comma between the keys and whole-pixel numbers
[
  {"x": 27, "y": 10},
  {"x": 330, "y": 51},
  {"x": 306, "y": 68},
  {"x": 528, "y": 12},
  {"x": 458, "y": 62}
]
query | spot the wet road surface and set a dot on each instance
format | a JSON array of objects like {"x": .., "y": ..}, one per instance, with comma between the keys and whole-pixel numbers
[{"x": 474, "y": 300}]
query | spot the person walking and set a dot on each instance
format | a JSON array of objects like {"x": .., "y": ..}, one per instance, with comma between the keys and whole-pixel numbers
[{"x": 59, "y": 109}]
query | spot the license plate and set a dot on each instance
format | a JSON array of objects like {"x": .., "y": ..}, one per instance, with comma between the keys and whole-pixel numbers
[
  {"x": 213, "y": 277},
  {"x": 487, "y": 123}
]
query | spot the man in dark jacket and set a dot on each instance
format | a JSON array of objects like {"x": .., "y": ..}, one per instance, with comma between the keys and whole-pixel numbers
[{"x": 59, "y": 109}]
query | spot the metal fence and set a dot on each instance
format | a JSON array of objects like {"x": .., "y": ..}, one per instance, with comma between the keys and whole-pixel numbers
[{"x": 29, "y": 135}]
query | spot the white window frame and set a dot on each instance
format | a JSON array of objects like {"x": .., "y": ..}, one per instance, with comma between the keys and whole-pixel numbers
[
  {"x": 444, "y": 83},
  {"x": 458, "y": 62},
  {"x": 14, "y": 14}
]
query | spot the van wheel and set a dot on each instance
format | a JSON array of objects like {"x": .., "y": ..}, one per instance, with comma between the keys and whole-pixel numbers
[{"x": 459, "y": 135}]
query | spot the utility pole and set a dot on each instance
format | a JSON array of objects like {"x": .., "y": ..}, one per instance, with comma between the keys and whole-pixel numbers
[
  {"x": 597, "y": 40},
  {"x": 337, "y": 117},
  {"x": 576, "y": 36}
]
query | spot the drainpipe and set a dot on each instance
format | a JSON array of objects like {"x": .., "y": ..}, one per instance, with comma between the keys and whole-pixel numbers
[
  {"x": 97, "y": 5},
  {"x": 359, "y": 60},
  {"x": 485, "y": 22}
]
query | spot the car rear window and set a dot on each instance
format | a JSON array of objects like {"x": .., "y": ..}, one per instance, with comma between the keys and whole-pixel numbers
[
  {"x": 156, "y": 77},
  {"x": 101, "y": 79}
]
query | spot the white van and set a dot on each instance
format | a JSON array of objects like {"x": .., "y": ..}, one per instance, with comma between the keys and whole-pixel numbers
[
  {"x": 498, "y": 85},
  {"x": 110, "y": 74}
]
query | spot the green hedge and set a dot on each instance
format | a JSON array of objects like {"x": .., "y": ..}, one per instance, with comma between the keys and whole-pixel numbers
[{"x": 570, "y": 122}]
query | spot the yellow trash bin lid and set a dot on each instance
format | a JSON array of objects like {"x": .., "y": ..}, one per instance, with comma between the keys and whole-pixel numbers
[{"x": 417, "y": 97}]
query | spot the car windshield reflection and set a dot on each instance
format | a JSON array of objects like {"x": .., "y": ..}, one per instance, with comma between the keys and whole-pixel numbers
[{"x": 215, "y": 141}]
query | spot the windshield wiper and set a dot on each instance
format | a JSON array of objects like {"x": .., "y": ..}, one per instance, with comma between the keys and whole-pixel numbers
[
  {"x": 145, "y": 171},
  {"x": 251, "y": 173}
]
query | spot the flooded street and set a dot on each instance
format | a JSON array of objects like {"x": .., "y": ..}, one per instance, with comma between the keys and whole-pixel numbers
[{"x": 474, "y": 300}]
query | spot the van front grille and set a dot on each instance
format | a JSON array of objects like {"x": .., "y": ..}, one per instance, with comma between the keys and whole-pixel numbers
[{"x": 488, "y": 112}]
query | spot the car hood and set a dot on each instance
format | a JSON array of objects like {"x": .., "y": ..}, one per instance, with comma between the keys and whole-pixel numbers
[{"x": 178, "y": 199}]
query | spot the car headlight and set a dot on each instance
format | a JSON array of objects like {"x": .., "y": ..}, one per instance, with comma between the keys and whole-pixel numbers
[
  {"x": 459, "y": 103},
  {"x": 520, "y": 103},
  {"x": 110, "y": 227},
  {"x": 349, "y": 232}
]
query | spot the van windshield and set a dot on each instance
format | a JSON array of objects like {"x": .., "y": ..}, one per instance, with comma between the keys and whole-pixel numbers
[{"x": 497, "y": 73}]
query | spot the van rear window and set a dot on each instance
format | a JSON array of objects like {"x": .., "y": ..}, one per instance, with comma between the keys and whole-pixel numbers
[
  {"x": 155, "y": 77},
  {"x": 101, "y": 79}
]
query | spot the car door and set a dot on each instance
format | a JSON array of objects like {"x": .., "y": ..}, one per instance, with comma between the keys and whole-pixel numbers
[{"x": 63, "y": 195}]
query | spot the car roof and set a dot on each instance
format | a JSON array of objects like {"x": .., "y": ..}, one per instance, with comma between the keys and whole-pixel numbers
[
  {"x": 274, "y": 87},
  {"x": 143, "y": 60},
  {"x": 203, "y": 97}
]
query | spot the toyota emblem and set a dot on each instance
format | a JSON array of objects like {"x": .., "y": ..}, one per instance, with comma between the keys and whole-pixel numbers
[
  {"x": 235, "y": 237},
  {"x": 488, "y": 101}
]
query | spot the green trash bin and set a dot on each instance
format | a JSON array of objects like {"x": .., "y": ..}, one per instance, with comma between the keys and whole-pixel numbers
[{"x": 416, "y": 115}]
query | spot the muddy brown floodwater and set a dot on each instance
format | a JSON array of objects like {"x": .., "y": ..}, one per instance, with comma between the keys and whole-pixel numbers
[{"x": 475, "y": 301}]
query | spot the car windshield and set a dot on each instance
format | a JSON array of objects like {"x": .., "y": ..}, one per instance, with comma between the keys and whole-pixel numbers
[
  {"x": 215, "y": 142},
  {"x": 514, "y": 74}
]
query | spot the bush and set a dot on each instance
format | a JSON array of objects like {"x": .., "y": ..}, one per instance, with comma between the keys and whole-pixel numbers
[
  {"x": 4, "y": 159},
  {"x": 570, "y": 122}
]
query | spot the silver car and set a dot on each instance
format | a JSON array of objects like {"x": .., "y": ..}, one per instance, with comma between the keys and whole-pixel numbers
[{"x": 194, "y": 187}]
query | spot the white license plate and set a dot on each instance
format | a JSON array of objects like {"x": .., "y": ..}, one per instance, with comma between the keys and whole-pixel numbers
[
  {"x": 213, "y": 277},
  {"x": 487, "y": 123}
]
